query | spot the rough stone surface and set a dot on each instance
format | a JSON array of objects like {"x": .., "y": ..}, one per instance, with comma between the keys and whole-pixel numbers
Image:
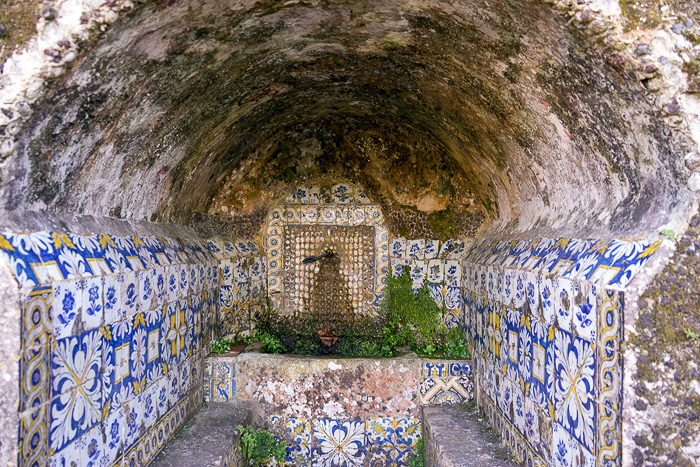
[
  {"x": 662, "y": 398},
  {"x": 9, "y": 366},
  {"x": 181, "y": 109},
  {"x": 329, "y": 387},
  {"x": 209, "y": 439},
  {"x": 457, "y": 436}
]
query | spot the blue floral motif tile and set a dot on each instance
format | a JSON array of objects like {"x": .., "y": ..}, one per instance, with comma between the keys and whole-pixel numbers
[
  {"x": 504, "y": 394},
  {"x": 491, "y": 285},
  {"x": 69, "y": 455},
  {"x": 240, "y": 268},
  {"x": 584, "y": 311},
  {"x": 415, "y": 249},
  {"x": 398, "y": 265},
  {"x": 575, "y": 389},
  {"x": 520, "y": 291},
  {"x": 509, "y": 283},
  {"x": 342, "y": 194},
  {"x": 160, "y": 286},
  {"x": 431, "y": 249},
  {"x": 111, "y": 299},
  {"x": 395, "y": 439},
  {"x": 129, "y": 293},
  {"x": 518, "y": 408},
  {"x": 453, "y": 273},
  {"x": 532, "y": 291},
  {"x": 67, "y": 306},
  {"x": 547, "y": 292},
  {"x": 532, "y": 423},
  {"x": 93, "y": 306},
  {"x": 418, "y": 273},
  {"x": 147, "y": 292},
  {"x": 397, "y": 248},
  {"x": 184, "y": 282},
  {"x": 75, "y": 383},
  {"x": 542, "y": 380},
  {"x": 562, "y": 447},
  {"x": 298, "y": 430},
  {"x": 436, "y": 273},
  {"x": 339, "y": 443},
  {"x": 564, "y": 303},
  {"x": 114, "y": 427},
  {"x": 92, "y": 447},
  {"x": 134, "y": 420},
  {"x": 216, "y": 247},
  {"x": 173, "y": 283}
]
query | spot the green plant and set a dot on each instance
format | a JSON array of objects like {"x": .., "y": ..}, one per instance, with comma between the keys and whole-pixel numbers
[
  {"x": 416, "y": 459},
  {"x": 259, "y": 446},
  {"x": 220, "y": 346},
  {"x": 669, "y": 233},
  {"x": 413, "y": 320},
  {"x": 691, "y": 334},
  {"x": 270, "y": 343}
]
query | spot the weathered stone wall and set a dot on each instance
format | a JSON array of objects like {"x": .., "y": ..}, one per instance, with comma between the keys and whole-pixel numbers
[
  {"x": 114, "y": 329},
  {"x": 196, "y": 121},
  {"x": 662, "y": 379}
]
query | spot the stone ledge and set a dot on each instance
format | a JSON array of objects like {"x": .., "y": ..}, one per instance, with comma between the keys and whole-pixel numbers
[
  {"x": 209, "y": 439},
  {"x": 454, "y": 437}
]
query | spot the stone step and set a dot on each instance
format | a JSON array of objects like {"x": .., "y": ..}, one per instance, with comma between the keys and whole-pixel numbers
[
  {"x": 209, "y": 439},
  {"x": 457, "y": 436}
]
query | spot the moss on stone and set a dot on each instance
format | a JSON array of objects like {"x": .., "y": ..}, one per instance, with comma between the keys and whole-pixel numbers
[
  {"x": 19, "y": 18},
  {"x": 667, "y": 347}
]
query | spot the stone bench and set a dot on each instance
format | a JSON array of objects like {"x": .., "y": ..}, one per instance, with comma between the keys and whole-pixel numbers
[
  {"x": 209, "y": 439},
  {"x": 454, "y": 436}
]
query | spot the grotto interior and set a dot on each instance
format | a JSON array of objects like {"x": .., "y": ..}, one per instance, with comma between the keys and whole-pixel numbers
[{"x": 171, "y": 170}]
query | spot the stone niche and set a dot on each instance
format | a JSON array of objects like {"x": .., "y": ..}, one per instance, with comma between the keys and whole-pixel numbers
[{"x": 334, "y": 291}]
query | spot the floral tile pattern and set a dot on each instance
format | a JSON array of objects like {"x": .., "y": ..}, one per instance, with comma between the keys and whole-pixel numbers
[
  {"x": 575, "y": 387},
  {"x": 394, "y": 439},
  {"x": 339, "y": 443},
  {"x": 113, "y": 342},
  {"x": 556, "y": 347}
]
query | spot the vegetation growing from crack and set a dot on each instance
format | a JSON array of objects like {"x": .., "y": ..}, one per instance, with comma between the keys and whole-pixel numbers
[
  {"x": 260, "y": 446},
  {"x": 416, "y": 459}
]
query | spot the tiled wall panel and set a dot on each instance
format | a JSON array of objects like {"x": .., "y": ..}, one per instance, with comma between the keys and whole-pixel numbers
[
  {"x": 114, "y": 333},
  {"x": 544, "y": 319}
]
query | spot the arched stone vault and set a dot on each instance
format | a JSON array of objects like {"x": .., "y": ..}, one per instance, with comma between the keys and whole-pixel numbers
[
  {"x": 462, "y": 119},
  {"x": 500, "y": 116}
]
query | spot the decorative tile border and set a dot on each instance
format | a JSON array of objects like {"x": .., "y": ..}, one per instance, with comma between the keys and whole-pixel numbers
[
  {"x": 610, "y": 379},
  {"x": 332, "y": 442},
  {"x": 612, "y": 264},
  {"x": 220, "y": 379}
]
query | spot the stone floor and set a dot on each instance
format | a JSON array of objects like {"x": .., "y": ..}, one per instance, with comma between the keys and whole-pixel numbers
[
  {"x": 458, "y": 436},
  {"x": 209, "y": 438}
]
